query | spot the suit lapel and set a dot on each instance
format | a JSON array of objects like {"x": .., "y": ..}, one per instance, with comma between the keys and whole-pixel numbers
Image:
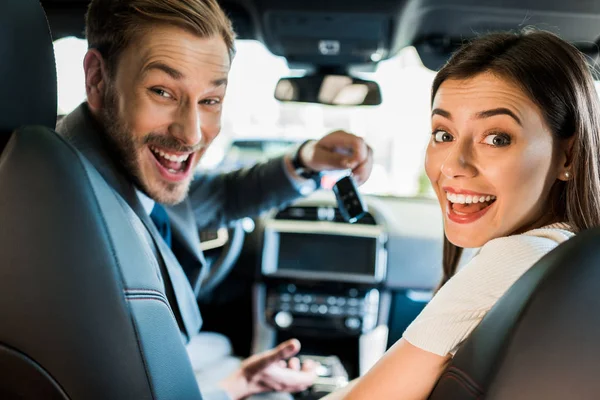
[
  {"x": 186, "y": 242},
  {"x": 184, "y": 228}
]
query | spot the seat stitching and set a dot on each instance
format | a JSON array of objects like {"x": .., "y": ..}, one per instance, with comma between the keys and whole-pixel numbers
[
  {"x": 464, "y": 384},
  {"x": 133, "y": 291},
  {"x": 141, "y": 297},
  {"x": 466, "y": 377}
]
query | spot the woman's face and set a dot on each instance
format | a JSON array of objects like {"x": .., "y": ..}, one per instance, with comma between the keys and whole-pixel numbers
[{"x": 491, "y": 160}]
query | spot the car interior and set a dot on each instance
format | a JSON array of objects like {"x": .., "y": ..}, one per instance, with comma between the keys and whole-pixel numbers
[{"x": 83, "y": 315}]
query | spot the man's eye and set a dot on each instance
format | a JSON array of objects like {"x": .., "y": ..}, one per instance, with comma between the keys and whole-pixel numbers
[
  {"x": 162, "y": 93},
  {"x": 497, "y": 140},
  {"x": 210, "y": 102},
  {"x": 442, "y": 136}
]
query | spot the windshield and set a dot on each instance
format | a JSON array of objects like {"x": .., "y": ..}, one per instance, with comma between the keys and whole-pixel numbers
[{"x": 257, "y": 126}]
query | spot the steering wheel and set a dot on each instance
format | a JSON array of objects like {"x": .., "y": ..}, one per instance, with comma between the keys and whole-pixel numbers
[{"x": 223, "y": 248}]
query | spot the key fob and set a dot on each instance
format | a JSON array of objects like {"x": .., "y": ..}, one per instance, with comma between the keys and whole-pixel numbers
[{"x": 350, "y": 202}]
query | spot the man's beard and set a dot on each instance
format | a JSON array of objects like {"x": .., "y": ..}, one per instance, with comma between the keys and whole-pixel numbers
[{"x": 127, "y": 151}]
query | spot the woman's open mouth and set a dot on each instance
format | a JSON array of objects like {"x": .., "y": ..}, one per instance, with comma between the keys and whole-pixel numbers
[
  {"x": 467, "y": 208},
  {"x": 172, "y": 166}
]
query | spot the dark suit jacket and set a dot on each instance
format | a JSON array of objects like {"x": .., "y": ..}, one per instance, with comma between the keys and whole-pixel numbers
[{"x": 214, "y": 199}]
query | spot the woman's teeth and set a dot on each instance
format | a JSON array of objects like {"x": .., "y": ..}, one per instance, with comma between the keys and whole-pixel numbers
[
  {"x": 468, "y": 199},
  {"x": 170, "y": 157}
]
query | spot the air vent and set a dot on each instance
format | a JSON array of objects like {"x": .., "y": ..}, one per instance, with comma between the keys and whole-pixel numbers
[
  {"x": 331, "y": 214},
  {"x": 299, "y": 214}
]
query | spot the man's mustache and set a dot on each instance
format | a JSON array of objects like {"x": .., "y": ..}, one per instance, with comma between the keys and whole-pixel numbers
[{"x": 168, "y": 142}]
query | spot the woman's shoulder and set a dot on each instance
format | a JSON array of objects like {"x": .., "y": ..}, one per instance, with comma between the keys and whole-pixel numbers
[
  {"x": 463, "y": 301},
  {"x": 510, "y": 256},
  {"x": 539, "y": 240}
]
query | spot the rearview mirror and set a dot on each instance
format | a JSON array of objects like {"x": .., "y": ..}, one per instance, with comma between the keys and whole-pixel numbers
[{"x": 338, "y": 90}]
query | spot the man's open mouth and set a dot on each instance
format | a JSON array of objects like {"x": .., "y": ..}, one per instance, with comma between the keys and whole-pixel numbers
[{"x": 172, "y": 163}]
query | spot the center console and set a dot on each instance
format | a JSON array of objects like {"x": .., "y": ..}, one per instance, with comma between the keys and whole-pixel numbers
[
  {"x": 323, "y": 283},
  {"x": 331, "y": 310}
]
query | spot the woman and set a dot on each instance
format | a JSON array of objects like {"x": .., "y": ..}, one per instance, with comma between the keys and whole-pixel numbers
[{"x": 513, "y": 159}]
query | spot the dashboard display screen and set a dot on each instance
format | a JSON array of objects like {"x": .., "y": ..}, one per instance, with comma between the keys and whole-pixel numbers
[{"x": 327, "y": 253}]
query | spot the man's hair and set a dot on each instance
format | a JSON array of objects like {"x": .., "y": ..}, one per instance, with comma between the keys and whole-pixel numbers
[{"x": 111, "y": 25}]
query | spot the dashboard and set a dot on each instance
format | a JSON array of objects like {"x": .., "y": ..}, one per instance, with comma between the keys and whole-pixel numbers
[{"x": 397, "y": 244}]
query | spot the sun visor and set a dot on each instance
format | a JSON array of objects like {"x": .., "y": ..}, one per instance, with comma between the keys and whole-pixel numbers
[
  {"x": 438, "y": 27},
  {"x": 328, "y": 38}
]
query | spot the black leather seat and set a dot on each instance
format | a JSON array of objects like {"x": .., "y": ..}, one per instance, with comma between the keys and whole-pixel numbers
[
  {"x": 83, "y": 314},
  {"x": 542, "y": 339}
]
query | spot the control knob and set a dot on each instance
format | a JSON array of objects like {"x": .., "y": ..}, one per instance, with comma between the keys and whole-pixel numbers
[{"x": 283, "y": 319}]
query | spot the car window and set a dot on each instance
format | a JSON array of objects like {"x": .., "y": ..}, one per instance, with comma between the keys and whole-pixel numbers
[{"x": 398, "y": 129}]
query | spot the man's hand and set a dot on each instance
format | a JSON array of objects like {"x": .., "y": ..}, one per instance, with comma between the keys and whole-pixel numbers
[
  {"x": 269, "y": 371},
  {"x": 339, "y": 150}
]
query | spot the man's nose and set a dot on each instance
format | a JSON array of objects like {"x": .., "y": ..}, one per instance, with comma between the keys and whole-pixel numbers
[
  {"x": 459, "y": 161},
  {"x": 188, "y": 126}
]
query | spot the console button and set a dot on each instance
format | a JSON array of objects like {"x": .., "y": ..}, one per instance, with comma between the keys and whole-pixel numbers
[
  {"x": 314, "y": 309},
  {"x": 353, "y": 302},
  {"x": 335, "y": 310},
  {"x": 352, "y": 323},
  {"x": 302, "y": 308},
  {"x": 283, "y": 319},
  {"x": 285, "y": 297},
  {"x": 323, "y": 309},
  {"x": 341, "y": 301},
  {"x": 298, "y": 298},
  {"x": 331, "y": 300}
]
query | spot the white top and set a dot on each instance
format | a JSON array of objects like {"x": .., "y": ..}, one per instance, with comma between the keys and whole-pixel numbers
[{"x": 463, "y": 301}]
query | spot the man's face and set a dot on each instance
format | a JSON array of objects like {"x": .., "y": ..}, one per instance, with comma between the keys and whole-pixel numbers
[{"x": 162, "y": 107}]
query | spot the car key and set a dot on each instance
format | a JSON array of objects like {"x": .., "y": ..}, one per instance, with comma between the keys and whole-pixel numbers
[{"x": 350, "y": 202}]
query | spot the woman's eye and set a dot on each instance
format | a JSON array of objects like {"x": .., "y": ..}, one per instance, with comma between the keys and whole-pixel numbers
[
  {"x": 442, "y": 136},
  {"x": 162, "y": 93},
  {"x": 497, "y": 140}
]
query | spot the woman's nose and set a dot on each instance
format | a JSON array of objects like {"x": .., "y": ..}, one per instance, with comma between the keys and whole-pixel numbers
[{"x": 459, "y": 161}]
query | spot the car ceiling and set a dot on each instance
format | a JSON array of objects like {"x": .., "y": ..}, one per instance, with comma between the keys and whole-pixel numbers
[{"x": 306, "y": 31}]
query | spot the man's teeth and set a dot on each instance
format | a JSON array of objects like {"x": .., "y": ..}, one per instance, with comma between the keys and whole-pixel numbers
[
  {"x": 170, "y": 157},
  {"x": 468, "y": 199}
]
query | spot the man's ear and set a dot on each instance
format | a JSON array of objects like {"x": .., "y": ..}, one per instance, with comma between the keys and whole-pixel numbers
[
  {"x": 565, "y": 158},
  {"x": 94, "y": 67}
]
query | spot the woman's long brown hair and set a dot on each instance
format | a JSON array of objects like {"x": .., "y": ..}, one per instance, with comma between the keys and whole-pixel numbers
[{"x": 556, "y": 77}]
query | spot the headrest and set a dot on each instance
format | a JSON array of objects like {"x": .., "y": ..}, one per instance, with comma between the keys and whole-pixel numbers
[{"x": 27, "y": 67}]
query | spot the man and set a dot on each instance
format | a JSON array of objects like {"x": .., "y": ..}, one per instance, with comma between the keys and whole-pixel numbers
[{"x": 155, "y": 75}]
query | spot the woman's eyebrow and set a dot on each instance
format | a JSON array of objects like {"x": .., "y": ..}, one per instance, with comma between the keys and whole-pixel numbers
[
  {"x": 498, "y": 111},
  {"x": 482, "y": 114}
]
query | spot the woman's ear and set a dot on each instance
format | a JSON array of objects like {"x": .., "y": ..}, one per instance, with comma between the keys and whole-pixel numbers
[
  {"x": 95, "y": 79},
  {"x": 565, "y": 159}
]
